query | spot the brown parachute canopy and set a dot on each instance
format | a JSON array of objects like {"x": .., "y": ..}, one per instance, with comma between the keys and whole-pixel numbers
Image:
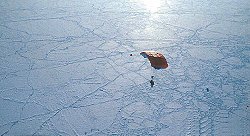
[{"x": 156, "y": 59}]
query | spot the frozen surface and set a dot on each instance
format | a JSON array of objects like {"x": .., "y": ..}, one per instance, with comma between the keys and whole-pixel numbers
[{"x": 66, "y": 69}]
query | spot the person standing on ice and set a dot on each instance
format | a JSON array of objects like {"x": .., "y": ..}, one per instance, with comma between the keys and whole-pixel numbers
[{"x": 152, "y": 82}]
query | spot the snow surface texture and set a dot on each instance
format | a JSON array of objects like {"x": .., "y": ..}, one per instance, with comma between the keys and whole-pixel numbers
[{"x": 66, "y": 67}]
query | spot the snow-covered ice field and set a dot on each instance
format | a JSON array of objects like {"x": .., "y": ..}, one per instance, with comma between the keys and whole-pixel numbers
[{"x": 66, "y": 69}]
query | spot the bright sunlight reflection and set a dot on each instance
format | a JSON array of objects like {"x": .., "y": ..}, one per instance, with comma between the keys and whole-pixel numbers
[{"x": 151, "y": 5}]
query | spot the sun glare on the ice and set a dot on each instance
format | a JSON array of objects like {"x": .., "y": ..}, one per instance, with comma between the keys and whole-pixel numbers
[{"x": 151, "y": 5}]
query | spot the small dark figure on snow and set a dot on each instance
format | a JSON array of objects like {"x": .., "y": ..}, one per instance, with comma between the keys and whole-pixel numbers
[
  {"x": 207, "y": 89},
  {"x": 151, "y": 81}
]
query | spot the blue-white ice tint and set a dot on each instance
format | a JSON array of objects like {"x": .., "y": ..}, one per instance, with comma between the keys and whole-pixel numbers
[{"x": 66, "y": 68}]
